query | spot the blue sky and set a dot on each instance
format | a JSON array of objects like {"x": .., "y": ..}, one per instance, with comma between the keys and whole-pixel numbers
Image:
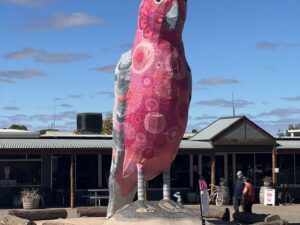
[{"x": 62, "y": 53}]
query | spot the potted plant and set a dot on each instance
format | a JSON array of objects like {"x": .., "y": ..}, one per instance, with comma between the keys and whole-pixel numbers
[
  {"x": 30, "y": 198},
  {"x": 224, "y": 190},
  {"x": 267, "y": 182}
]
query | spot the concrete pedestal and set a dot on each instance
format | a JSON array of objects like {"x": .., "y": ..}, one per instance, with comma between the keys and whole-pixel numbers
[{"x": 162, "y": 212}]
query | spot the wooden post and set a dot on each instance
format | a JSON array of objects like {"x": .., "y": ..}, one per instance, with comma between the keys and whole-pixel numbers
[
  {"x": 72, "y": 182},
  {"x": 212, "y": 171},
  {"x": 274, "y": 165}
]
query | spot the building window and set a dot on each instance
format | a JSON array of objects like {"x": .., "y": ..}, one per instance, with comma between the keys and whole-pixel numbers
[
  {"x": 245, "y": 163},
  {"x": 297, "y": 161},
  {"x": 180, "y": 172},
  {"x": 19, "y": 171},
  {"x": 86, "y": 171},
  {"x": 157, "y": 182},
  {"x": 61, "y": 171},
  {"x": 285, "y": 164},
  {"x": 263, "y": 167}
]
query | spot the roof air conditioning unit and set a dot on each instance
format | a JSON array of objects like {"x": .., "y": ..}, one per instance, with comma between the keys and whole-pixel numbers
[{"x": 89, "y": 123}]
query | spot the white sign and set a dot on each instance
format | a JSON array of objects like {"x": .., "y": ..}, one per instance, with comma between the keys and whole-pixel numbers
[
  {"x": 204, "y": 202},
  {"x": 269, "y": 197}
]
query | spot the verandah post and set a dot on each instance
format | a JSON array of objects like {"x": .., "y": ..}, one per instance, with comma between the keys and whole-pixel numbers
[{"x": 72, "y": 182}]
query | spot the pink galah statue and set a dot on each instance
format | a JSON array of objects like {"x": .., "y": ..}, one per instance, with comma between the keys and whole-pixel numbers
[{"x": 152, "y": 96}]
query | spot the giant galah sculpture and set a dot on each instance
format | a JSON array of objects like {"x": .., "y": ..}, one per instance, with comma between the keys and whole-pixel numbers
[{"x": 152, "y": 96}]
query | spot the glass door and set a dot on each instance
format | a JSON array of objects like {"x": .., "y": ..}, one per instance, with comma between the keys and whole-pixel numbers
[{"x": 221, "y": 170}]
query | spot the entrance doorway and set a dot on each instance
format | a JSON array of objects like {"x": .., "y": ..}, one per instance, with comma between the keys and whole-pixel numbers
[{"x": 223, "y": 168}]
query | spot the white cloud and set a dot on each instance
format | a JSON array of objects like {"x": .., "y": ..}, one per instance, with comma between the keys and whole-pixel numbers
[
  {"x": 122, "y": 47},
  {"x": 25, "y": 3},
  {"x": 205, "y": 117},
  {"x": 106, "y": 69},
  {"x": 5, "y": 80},
  {"x": 60, "y": 21},
  {"x": 10, "y": 108},
  {"x": 239, "y": 103},
  {"x": 75, "y": 96},
  {"x": 267, "y": 45},
  {"x": 106, "y": 93},
  {"x": 65, "y": 120},
  {"x": 45, "y": 57},
  {"x": 214, "y": 81},
  {"x": 293, "y": 99},
  {"x": 12, "y": 75},
  {"x": 282, "y": 112},
  {"x": 65, "y": 105}
]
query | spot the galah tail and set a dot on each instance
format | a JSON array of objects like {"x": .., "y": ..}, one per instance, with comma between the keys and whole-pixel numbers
[{"x": 152, "y": 97}]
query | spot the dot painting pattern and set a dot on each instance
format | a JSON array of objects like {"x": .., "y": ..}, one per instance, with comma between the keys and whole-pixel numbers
[{"x": 158, "y": 96}]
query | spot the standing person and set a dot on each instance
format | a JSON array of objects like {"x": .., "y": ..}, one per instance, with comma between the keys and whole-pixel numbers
[
  {"x": 238, "y": 190},
  {"x": 248, "y": 195}
]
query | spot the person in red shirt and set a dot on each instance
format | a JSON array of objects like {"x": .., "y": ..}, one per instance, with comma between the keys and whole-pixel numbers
[
  {"x": 248, "y": 196},
  {"x": 202, "y": 183}
]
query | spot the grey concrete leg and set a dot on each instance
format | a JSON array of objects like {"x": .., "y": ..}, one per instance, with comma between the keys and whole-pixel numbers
[
  {"x": 166, "y": 185},
  {"x": 141, "y": 183}
]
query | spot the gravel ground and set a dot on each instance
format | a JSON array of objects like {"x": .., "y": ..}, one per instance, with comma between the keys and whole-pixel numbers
[{"x": 290, "y": 213}]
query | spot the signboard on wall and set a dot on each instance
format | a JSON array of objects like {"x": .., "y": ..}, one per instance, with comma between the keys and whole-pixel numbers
[{"x": 269, "y": 197}]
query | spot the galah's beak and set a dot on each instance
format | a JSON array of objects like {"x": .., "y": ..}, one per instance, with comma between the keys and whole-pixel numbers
[{"x": 172, "y": 17}]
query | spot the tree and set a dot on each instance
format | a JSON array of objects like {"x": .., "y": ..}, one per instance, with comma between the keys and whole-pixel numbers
[
  {"x": 194, "y": 131},
  {"x": 18, "y": 127},
  {"x": 107, "y": 126},
  {"x": 280, "y": 133}
]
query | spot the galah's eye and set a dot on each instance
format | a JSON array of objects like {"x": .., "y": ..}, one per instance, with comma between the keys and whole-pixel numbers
[{"x": 158, "y": 1}]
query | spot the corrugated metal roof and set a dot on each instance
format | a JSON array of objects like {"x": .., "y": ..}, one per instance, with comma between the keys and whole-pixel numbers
[
  {"x": 80, "y": 144},
  {"x": 187, "y": 144},
  {"x": 72, "y": 134},
  {"x": 288, "y": 144},
  {"x": 54, "y": 143},
  {"x": 215, "y": 128},
  {"x": 18, "y": 134}
]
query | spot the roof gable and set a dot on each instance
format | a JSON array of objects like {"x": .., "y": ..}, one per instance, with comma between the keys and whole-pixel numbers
[
  {"x": 217, "y": 127},
  {"x": 244, "y": 132},
  {"x": 233, "y": 131}
]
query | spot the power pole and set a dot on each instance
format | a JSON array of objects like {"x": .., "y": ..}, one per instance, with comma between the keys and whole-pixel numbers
[{"x": 54, "y": 113}]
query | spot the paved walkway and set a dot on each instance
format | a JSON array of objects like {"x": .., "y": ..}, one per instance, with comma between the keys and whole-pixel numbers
[{"x": 290, "y": 213}]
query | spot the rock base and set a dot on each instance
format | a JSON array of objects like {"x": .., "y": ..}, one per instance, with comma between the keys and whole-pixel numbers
[{"x": 162, "y": 212}]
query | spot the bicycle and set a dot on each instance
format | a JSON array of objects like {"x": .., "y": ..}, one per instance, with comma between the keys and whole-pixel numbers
[
  {"x": 285, "y": 195},
  {"x": 216, "y": 197},
  {"x": 285, "y": 198}
]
